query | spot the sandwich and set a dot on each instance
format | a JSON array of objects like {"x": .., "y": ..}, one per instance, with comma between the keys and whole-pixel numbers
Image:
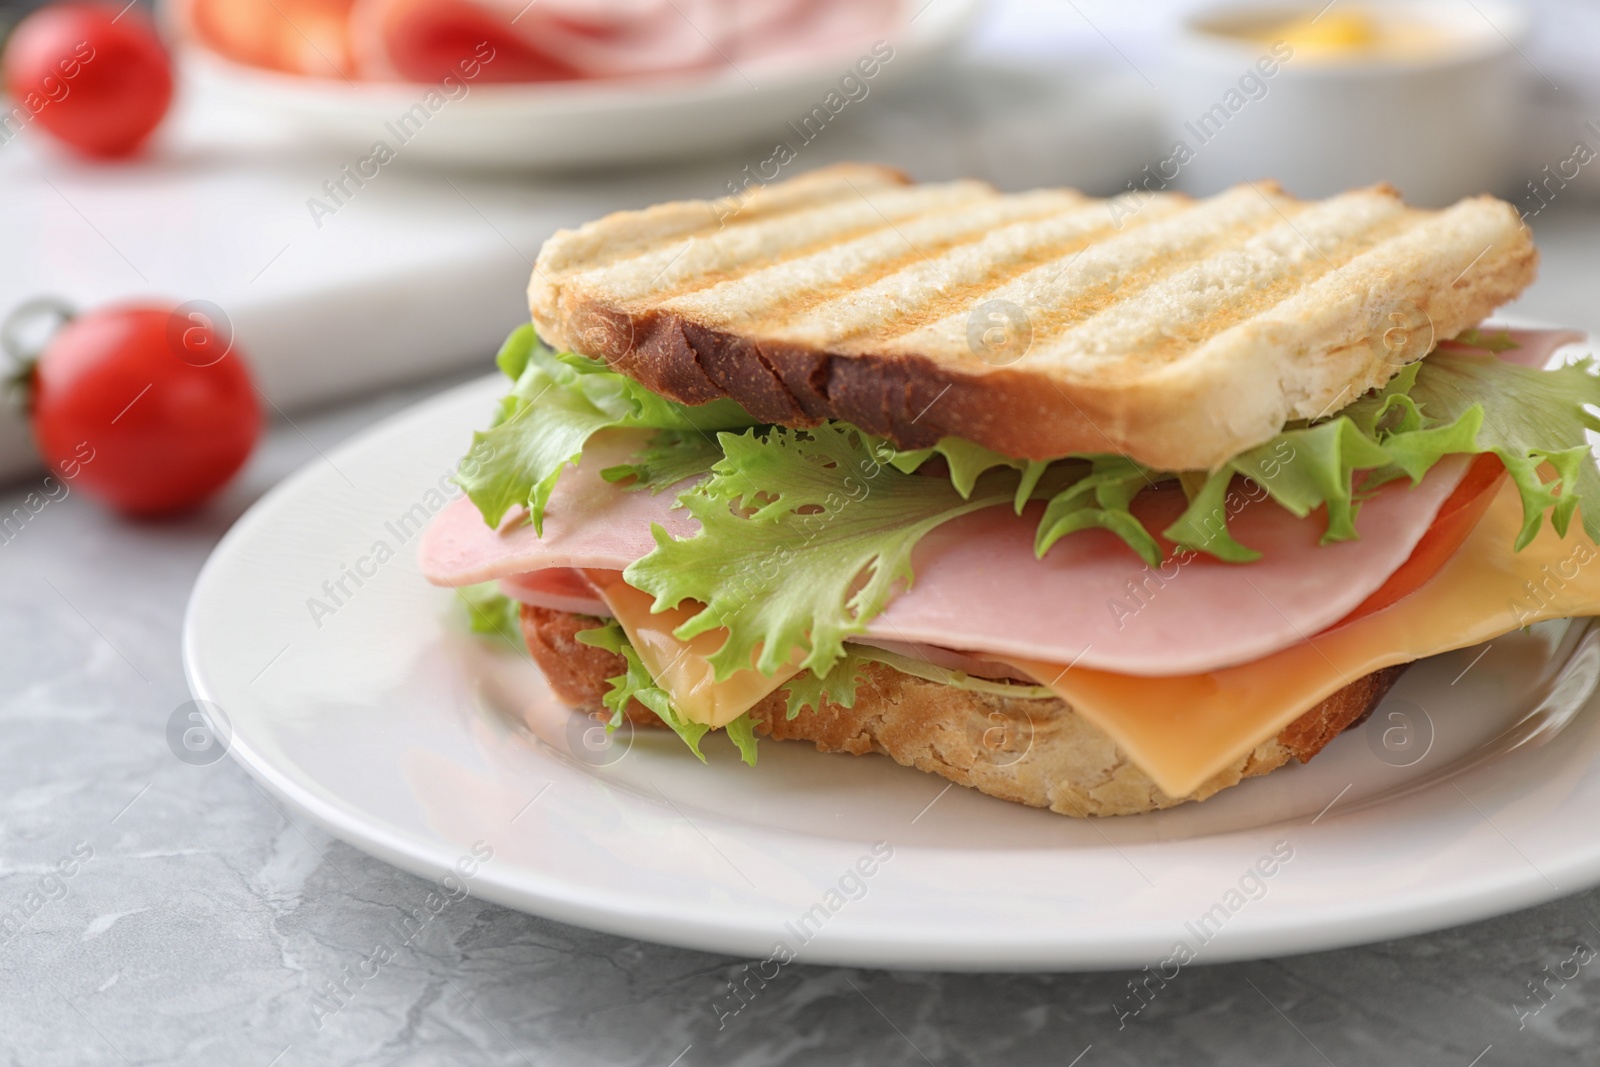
[{"x": 1100, "y": 506}]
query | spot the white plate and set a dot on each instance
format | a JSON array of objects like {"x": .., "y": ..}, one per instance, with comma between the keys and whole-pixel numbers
[
  {"x": 574, "y": 124},
  {"x": 399, "y": 733}
]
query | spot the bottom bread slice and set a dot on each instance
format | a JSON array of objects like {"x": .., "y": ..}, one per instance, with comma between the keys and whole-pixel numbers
[{"x": 1037, "y": 752}]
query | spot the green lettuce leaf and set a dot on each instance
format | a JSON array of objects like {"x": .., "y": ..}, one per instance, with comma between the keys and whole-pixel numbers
[
  {"x": 967, "y": 462},
  {"x": 491, "y": 613},
  {"x": 635, "y": 683},
  {"x": 808, "y": 690},
  {"x": 805, "y": 535},
  {"x": 1528, "y": 417},
  {"x": 1083, "y": 490},
  {"x": 557, "y": 402},
  {"x": 1300, "y": 469},
  {"x": 921, "y": 668},
  {"x": 669, "y": 458},
  {"x": 1488, "y": 342},
  {"x": 742, "y": 732},
  {"x": 1452, "y": 403},
  {"x": 1100, "y": 498}
]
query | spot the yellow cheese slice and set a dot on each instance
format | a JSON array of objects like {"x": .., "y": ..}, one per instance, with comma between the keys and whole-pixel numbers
[
  {"x": 680, "y": 667},
  {"x": 1182, "y": 730}
]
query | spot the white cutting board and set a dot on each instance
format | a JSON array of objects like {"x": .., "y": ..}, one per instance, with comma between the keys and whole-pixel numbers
[{"x": 412, "y": 276}]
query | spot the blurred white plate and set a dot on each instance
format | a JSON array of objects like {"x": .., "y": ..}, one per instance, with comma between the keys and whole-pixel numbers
[
  {"x": 575, "y": 124},
  {"x": 412, "y": 740}
]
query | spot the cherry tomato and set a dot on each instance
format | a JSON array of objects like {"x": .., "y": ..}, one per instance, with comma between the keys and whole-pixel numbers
[
  {"x": 97, "y": 79},
  {"x": 144, "y": 407}
]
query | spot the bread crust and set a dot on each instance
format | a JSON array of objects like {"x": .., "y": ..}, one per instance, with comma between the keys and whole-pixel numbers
[
  {"x": 1243, "y": 373},
  {"x": 1035, "y": 752}
]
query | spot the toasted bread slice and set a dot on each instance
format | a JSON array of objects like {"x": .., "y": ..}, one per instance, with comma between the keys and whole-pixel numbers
[
  {"x": 1175, "y": 331},
  {"x": 1049, "y": 757}
]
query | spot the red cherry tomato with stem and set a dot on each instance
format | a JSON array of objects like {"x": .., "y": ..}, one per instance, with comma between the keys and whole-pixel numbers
[
  {"x": 146, "y": 408},
  {"x": 97, "y": 78}
]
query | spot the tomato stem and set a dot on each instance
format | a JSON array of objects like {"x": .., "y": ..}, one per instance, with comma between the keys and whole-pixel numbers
[{"x": 19, "y": 337}]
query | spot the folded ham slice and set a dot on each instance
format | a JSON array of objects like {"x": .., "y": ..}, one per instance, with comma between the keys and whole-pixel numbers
[
  {"x": 979, "y": 587},
  {"x": 556, "y": 40},
  {"x": 428, "y": 41}
]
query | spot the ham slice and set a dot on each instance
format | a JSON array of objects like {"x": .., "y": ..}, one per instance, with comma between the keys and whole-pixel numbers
[
  {"x": 979, "y": 587},
  {"x": 1535, "y": 348},
  {"x": 589, "y": 524},
  {"x": 1094, "y": 603},
  {"x": 560, "y": 40},
  {"x": 557, "y": 588}
]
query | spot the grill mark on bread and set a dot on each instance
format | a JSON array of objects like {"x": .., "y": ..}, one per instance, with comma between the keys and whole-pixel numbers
[
  {"x": 1050, "y": 324},
  {"x": 920, "y": 253},
  {"x": 804, "y": 217},
  {"x": 775, "y": 291},
  {"x": 667, "y": 224},
  {"x": 1072, "y": 232},
  {"x": 701, "y": 260},
  {"x": 1206, "y": 403},
  {"x": 1173, "y": 318},
  {"x": 1116, "y": 270}
]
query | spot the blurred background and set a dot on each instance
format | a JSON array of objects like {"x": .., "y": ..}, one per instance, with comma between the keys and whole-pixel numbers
[
  {"x": 328, "y": 210},
  {"x": 356, "y": 189}
]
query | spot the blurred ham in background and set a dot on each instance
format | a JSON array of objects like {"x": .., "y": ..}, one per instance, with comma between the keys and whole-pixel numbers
[{"x": 538, "y": 41}]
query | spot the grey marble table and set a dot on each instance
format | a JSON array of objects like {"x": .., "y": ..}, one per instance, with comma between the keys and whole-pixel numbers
[{"x": 154, "y": 912}]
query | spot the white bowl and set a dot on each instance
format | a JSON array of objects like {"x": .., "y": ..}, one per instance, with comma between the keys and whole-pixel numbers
[
  {"x": 574, "y": 124},
  {"x": 1438, "y": 127}
]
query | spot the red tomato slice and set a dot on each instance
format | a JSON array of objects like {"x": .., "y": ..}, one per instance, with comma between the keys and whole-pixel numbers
[{"x": 1455, "y": 522}]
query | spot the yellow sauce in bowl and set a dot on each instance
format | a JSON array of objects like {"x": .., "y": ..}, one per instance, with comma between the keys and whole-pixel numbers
[{"x": 1351, "y": 34}]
